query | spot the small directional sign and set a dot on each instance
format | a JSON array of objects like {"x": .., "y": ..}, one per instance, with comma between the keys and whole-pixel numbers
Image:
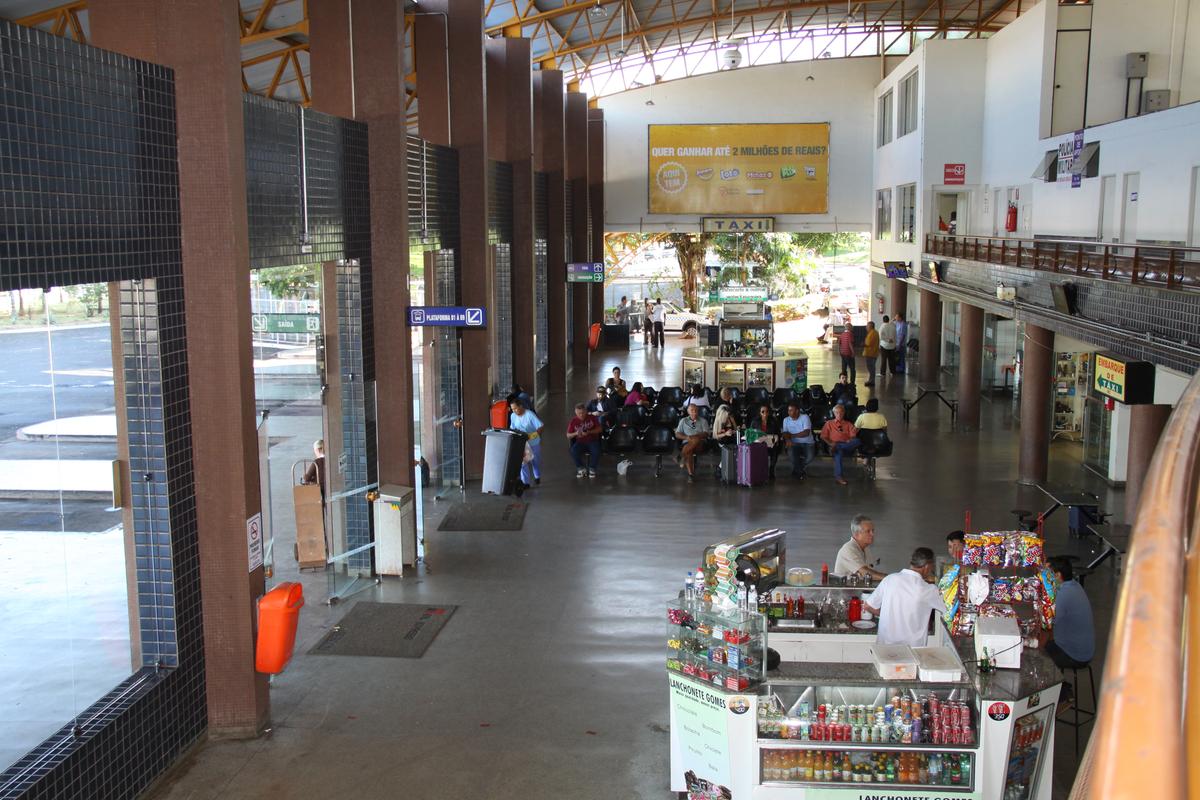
[
  {"x": 447, "y": 317},
  {"x": 285, "y": 323},
  {"x": 585, "y": 272}
]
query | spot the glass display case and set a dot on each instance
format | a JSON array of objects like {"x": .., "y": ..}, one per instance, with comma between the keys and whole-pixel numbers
[
  {"x": 760, "y": 373},
  {"x": 746, "y": 338},
  {"x": 693, "y": 372},
  {"x": 758, "y": 557},
  {"x": 723, "y": 647},
  {"x": 915, "y": 735},
  {"x": 1025, "y": 754}
]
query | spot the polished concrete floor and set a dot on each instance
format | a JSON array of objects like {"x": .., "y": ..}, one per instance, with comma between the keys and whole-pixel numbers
[{"x": 548, "y": 682}]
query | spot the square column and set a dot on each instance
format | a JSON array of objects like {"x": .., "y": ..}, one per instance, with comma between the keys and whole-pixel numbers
[
  {"x": 200, "y": 42},
  {"x": 596, "y": 201},
  {"x": 930, "y": 337},
  {"x": 549, "y": 106},
  {"x": 577, "y": 180},
  {"x": 970, "y": 365},
  {"x": 1036, "y": 386}
]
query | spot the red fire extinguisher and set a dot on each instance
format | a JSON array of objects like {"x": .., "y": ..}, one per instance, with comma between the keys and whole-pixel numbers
[{"x": 1010, "y": 219}]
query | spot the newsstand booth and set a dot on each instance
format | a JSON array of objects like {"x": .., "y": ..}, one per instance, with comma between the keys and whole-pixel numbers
[{"x": 834, "y": 728}]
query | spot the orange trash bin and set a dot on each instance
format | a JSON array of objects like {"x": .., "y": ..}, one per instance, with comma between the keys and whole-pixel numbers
[
  {"x": 278, "y": 615},
  {"x": 500, "y": 414}
]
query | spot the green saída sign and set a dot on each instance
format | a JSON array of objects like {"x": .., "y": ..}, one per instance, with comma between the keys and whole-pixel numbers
[{"x": 285, "y": 323}]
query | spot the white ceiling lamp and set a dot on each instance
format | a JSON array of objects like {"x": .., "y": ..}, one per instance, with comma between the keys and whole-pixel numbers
[
  {"x": 731, "y": 55},
  {"x": 849, "y": 15},
  {"x": 621, "y": 47},
  {"x": 597, "y": 13}
]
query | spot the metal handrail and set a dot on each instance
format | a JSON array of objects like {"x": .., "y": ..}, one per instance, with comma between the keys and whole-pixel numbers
[
  {"x": 1168, "y": 266},
  {"x": 1145, "y": 733}
]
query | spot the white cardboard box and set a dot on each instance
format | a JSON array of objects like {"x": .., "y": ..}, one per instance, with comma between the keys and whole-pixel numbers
[
  {"x": 1002, "y": 638},
  {"x": 895, "y": 662}
]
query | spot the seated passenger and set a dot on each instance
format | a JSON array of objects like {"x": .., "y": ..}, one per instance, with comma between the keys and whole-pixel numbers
[
  {"x": 636, "y": 396},
  {"x": 615, "y": 385},
  {"x": 798, "y": 439},
  {"x": 843, "y": 391},
  {"x": 601, "y": 404},
  {"x": 769, "y": 433},
  {"x": 693, "y": 431},
  {"x": 583, "y": 432},
  {"x": 698, "y": 397},
  {"x": 842, "y": 438},
  {"x": 871, "y": 419},
  {"x": 725, "y": 427}
]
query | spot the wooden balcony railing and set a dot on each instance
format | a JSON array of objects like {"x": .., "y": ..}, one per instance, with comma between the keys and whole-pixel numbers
[
  {"x": 1169, "y": 267},
  {"x": 1147, "y": 733}
]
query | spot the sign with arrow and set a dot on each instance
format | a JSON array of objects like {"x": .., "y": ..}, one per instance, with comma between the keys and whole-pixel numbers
[{"x": 447, "y": 317}]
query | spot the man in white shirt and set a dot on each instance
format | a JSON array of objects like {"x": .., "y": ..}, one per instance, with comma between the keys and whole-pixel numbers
[
  {"x": 904, "y": 601},
  {"x": 659, "y": 316},
  {"x": 887, "y": 347},
  {"x": 797, "y": 432},
  {"x": 855, "y": 556}
]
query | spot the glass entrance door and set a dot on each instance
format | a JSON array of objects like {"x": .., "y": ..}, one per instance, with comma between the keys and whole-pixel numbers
[{"x": 1097, "y": 435}]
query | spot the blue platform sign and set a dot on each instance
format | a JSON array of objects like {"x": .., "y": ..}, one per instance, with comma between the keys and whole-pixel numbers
[{"x": 447, "y": 317}]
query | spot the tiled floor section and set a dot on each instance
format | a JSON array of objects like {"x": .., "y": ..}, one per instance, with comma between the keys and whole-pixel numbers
[{"x": 548, "y": 681}]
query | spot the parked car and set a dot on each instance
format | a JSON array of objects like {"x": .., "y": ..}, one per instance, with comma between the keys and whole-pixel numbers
[{"x": 678, "y": 320}]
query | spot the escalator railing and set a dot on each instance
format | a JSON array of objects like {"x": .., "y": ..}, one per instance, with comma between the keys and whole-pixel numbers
[{"x": 1147, "y": 735}]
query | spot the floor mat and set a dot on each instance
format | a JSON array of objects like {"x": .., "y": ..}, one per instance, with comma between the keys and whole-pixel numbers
[
  {"x": 485, "y": 514},
  {"x": 386, "y": 630}
]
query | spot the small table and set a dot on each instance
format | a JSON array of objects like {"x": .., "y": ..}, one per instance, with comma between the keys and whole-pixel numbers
[
  {"x": 1114, "y": 540},
  {"x": 1069, "y": 497},
  {"x": 925, "y": 390}
]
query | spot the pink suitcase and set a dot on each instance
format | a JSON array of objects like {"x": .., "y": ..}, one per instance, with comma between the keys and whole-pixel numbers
[{"x": 753, "y": 464}]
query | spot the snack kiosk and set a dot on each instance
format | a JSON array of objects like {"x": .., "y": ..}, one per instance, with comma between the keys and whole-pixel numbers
[
  {"x": 745, "y": 356},
  {"x": 841, "y": 717}
]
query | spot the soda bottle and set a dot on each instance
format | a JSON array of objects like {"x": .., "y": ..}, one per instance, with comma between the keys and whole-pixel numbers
[
  {"x": 847, "y": 769},
  {"x": 965, "y": 769},
  {"x": 824, "y": 574},
  {"x": 688, "y": 590}
]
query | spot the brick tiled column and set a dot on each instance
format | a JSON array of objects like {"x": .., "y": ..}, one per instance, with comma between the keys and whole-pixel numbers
[
  {"x": 899, "y": 299},
  {"x": 577, "y": 179},
  {"x": 549, "y": 104},
  {"x": 931, "y": 337},
  {"x": 510, "y": 111},
  {"x": 199, "y": 41},
  {"x": 596, "y": 201},
  {"x": 970, "y": 365},
  {"x": 367, "y": 82},
  {"x": 1036, "y": 384},
  {"x": 468, "y": 135},
  {"x": 1146, "y": 423}
]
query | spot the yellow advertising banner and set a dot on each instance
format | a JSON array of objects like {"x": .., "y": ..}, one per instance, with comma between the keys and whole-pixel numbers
[{"x": 768, "y": 168}]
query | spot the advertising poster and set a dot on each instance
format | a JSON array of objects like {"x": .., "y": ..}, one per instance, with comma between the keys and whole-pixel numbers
[
  {"x": 700, "y": 716},
  {"x": 772, "y": 168},
  {"x": 795, "y": 374}
]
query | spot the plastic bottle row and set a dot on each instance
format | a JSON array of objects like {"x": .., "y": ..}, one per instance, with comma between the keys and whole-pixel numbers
[{"x": 837, "y": 766}]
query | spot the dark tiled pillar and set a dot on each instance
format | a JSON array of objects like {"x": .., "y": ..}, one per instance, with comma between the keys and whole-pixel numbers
[
  {"x": 1036, "y": 370},
  {"x": 199, "y": 41},
  {"x": 970, "y": 365},
  {"x": 899, "y": 299},
  {"x": 577, "y": 179},
  {"x": 549, "y": 107},
  {"x": 515, "y": 117},
  {"x": 432, "y": 63},
  {"x": 931, "y": 337},
  {"x": 1146, "y": 423},
  {"x": 468, "y": 135},
  {"x": 596, "y": 200}
]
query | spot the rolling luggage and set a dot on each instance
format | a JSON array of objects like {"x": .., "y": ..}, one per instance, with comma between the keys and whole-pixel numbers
[
  {"x": 729, "y": 464},
  {"x": 753, "y": 464}
]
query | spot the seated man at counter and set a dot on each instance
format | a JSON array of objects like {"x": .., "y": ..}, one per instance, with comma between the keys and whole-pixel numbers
[
  {"x": 854, "y": 558},
  {"x": 797, "y": 432},
  {"x": 693, "y": 431},
  {"x": 904, "y": 600},
  {"x": 842, "y": 438},
  {"x": 1074, "y": 640}
]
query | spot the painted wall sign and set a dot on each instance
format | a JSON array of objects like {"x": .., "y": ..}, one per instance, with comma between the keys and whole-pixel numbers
[
  {"x": 954, "y": 173},
  {"x": 739, "y": 168},
  {"x": 737, "y": 224},
  {"x": 447, "y": 317},
  {"x": 585, "y": 272},
  {"x": 1130, "y": 382}
]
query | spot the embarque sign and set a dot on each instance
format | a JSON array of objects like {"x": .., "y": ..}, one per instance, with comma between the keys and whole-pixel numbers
[{"x": 764, "y": 168}]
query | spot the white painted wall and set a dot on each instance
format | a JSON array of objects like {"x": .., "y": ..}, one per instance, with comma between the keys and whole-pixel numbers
[
  {"x": 839, "y": 94},
  {"x": 898, "y": 162}
]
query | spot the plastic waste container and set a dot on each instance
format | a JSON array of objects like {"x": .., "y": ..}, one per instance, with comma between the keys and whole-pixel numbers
[
  {"x": 499, "y": 414},
  {"x": 502, "y": 453},
  {"x": 278, "y": 615}
]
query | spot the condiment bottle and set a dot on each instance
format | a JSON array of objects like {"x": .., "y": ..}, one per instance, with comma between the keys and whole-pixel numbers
[{"x": 824, "y": 574}]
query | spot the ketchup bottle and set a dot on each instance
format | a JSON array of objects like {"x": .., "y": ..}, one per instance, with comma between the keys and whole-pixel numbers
[
  {"x": 824, "y": 574},
  {"x": 854, "y": 612}
]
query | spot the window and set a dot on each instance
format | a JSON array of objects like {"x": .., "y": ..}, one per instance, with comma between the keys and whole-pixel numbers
[
  {"x": 907, "y": 200},
  {"x": 883, "y": 214},
  {"x": 907, "y": 105},
  {"x": 885, "y": 119}
]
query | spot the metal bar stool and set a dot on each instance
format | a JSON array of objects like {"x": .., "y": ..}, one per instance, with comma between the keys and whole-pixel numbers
[{"x": 1088, "y": 715}]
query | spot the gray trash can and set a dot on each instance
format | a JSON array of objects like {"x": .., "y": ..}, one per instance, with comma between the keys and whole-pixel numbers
[{"x": 502, "y": 453}]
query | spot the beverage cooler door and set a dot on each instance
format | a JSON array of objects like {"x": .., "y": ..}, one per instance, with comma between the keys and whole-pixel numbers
[{"x": 1029, "y": 763}]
